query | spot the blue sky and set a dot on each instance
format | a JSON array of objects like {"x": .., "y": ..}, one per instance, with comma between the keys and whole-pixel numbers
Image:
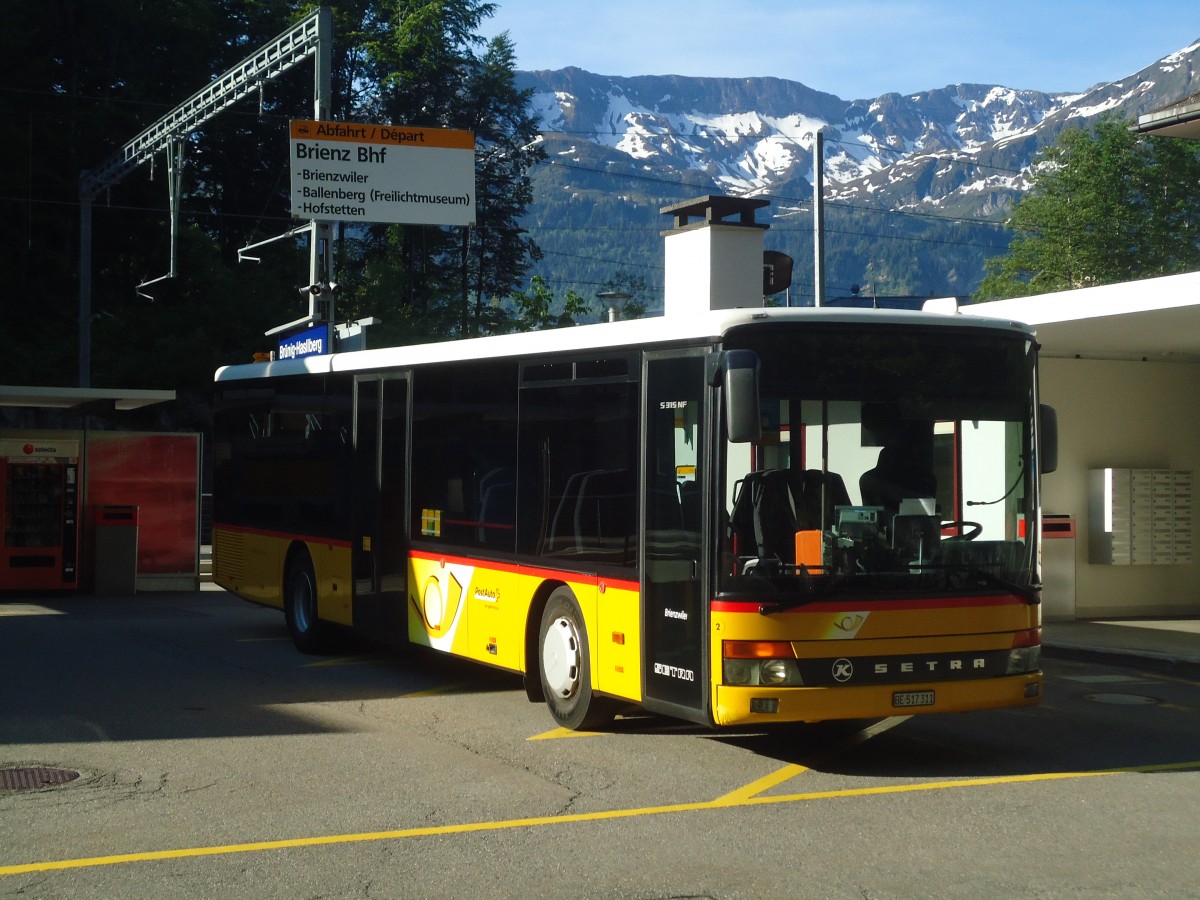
[{"x": 854, "y": 48}]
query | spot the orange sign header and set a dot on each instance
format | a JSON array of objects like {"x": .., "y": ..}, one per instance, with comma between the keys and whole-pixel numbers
[{"x": 399, "y": 135}]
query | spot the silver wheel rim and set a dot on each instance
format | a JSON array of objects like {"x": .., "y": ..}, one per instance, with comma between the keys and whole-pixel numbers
[
  {"x": 560, "y": 658},
  {"x": 302, "y": 602}
]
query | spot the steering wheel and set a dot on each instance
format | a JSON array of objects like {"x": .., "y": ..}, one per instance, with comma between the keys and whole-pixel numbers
[{"x": 968, "y": 531}]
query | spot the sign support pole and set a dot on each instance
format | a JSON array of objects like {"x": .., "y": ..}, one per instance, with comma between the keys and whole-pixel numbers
[{"x": 320, "y": 254}]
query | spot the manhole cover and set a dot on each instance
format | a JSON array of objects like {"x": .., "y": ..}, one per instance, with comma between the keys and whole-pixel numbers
[
  {"x": 31, "y": 778},
  {"x": 1122, "y": 699}
]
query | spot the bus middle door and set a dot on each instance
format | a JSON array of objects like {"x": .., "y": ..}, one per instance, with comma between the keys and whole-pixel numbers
[{"x": 379, "y": 546}]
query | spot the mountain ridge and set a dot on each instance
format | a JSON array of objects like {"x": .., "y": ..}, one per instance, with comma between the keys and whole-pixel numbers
[{"x": 960, "y": 153}]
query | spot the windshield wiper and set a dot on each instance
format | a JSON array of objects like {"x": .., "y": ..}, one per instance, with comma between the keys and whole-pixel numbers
[
  {"x": 768, "y": 609},
  {"x": 1031, "y": 594},
  {"x": 808, "y": 594}
]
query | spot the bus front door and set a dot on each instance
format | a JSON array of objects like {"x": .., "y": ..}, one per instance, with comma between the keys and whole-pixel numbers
[
  {"x": 379, "y": 548},
  {"x": 674, "y": 614}
]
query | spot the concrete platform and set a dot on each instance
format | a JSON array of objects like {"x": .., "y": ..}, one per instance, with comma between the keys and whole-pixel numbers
[{"x": 1161, "y": 643}]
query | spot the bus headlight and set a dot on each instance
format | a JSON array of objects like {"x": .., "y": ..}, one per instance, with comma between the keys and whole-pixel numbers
[
  {"x": 1026, "y": 653},
  {"x": 740, "y": 671},
  {"x": 756, "y": 672},
  {"x": 779, "y": 671},
  {"x": 760, "y": 663},
  {"x": 1024, "y": 659}
]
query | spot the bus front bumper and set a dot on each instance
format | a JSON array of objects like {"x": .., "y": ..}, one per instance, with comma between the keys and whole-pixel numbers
[{"x": 740, "y": 705}]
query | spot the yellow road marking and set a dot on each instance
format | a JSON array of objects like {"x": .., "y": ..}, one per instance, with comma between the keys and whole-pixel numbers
[
  {"x": 555, "y": 733},
  {"x": 539, "y": 821},
  {"x": 345, "y": 661},
  {"x": 880, "y": 727},
  {"x": 743, "y": 794},
  {"x": 443, "y": 689},
  {"x": 28, "y": 609},
  {"x": 734, "y": 798}
]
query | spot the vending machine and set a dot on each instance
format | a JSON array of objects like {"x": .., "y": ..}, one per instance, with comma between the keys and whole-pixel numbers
[{"x": 39, "y": 499}]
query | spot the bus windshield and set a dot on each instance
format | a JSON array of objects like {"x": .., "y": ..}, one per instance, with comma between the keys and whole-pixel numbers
[{"x": 892, "y": 460}]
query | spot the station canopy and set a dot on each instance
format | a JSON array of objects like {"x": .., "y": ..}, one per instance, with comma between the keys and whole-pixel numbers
[
  {"x": 1155, "y": 319},
  {"x": 1179, "y": 120},
  {"x": 75, "y": 398}
]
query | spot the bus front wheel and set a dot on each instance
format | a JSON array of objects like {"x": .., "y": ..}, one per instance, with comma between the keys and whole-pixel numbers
[
  {"x": 308, "y": 633},
  {"x": 566, "y": 666}
]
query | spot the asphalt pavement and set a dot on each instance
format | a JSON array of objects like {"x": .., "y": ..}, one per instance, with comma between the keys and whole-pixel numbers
[{"x": 1161, "y": 643}]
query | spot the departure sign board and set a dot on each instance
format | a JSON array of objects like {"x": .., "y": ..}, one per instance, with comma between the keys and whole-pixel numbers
[{"x": 352, "y": 172}]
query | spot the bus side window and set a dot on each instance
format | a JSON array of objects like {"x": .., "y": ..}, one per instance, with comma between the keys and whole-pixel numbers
[
  {"x": 464, "y": 429},
  {"x": 577, "y": 475}
]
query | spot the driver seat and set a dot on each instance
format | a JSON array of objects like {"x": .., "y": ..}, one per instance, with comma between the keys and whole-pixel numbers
[{"x": 897, "y": 476}]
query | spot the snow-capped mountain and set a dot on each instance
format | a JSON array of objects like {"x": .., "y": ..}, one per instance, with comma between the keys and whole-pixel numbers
[{"x": 961, "y": 151}]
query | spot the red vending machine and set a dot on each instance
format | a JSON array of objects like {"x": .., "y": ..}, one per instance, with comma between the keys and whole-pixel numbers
[{"x": 39, "y": 498}]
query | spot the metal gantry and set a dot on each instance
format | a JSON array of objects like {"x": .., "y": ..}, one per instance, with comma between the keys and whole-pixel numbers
[{"x": 312, "y": 36}]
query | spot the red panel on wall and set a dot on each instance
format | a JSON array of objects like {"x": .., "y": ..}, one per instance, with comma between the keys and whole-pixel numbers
[{"x": 158, "y": 473}]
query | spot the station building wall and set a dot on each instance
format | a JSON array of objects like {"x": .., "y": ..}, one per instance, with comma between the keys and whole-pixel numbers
[{"x": 1122, "y": 414}]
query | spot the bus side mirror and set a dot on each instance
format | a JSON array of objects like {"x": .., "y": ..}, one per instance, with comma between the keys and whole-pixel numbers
[
  {"x": 737, "y": 371},
  {"x": 1048, "y": 438}
]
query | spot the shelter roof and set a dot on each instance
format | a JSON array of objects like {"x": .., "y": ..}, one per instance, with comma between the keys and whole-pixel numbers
[
  {"x": 1152, "y": 319},
  {"x": 71, "y": 398}
]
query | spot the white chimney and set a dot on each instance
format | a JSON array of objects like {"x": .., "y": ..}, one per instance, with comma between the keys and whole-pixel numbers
[{"x": 716, "y": 262}]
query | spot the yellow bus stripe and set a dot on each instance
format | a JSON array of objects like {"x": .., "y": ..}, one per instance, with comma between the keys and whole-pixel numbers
[{"x": 539, "y": 821}]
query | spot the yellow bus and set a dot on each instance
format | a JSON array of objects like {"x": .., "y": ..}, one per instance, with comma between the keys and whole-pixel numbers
[{"x": 747, "y": 517}]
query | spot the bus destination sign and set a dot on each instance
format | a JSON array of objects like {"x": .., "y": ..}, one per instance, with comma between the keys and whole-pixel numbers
[{"x": 352, "y": 172}]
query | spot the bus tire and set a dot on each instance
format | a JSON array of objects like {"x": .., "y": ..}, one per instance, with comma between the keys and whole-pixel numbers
[
  {"x": 309, "y": 634},
  {"x": 565, "y": 666}
]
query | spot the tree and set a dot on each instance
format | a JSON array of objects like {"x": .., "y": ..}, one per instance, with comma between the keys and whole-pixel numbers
[
  {"x": 1106, "y": 206},
  {"x": 114, "y": 68},
  {"x": 429, "y": 67},
  {"x": 495, "y": 255},
  {"x": 535, "y": 307},
  {"x": 105, "y": 72}
]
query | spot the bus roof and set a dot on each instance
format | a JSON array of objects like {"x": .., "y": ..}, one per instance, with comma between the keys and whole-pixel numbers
[{"x": 705, "y": 327}]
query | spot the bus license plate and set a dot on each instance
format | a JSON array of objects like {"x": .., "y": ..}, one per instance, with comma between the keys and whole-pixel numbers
[{"x": 912, "y": 698}]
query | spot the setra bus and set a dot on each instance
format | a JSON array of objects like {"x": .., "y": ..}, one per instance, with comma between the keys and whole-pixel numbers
[{"x": 748, "y": 516}]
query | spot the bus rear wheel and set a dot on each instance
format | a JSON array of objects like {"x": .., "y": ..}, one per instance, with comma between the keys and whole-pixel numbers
[
  {"x": 566, "y": 666},
  {"x": 309, "y": 634}
]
